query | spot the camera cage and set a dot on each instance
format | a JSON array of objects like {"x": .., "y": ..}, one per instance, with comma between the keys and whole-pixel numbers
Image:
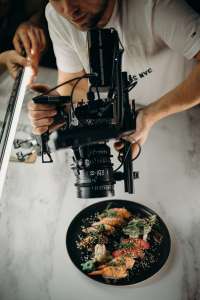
[{"x": 98, "y": 120}]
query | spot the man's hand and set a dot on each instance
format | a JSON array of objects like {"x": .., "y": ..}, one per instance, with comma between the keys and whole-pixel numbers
[
  {"x": 42, "y": 115},
  {"x": 143, "y": 126},
  {"x": 31, "y": 38},
  {"x": 12, "y": 60}
]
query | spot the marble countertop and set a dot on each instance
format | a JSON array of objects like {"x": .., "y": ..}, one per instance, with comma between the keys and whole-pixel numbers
[{"x": 39, "y": 201}]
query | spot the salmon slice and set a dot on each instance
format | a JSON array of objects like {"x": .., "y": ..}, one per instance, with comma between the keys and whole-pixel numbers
[
  {"x": 135, "y": 252},
  {"x": 112, "y": 272},
  {"x": 138, "y": 243}
]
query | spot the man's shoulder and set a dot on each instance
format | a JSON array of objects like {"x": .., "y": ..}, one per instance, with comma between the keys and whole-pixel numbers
[
  {"x": 60, "y": 28},
  {"x": 51, "y": 13},
  {"x": 54, "y": 17},
  {"x": 134, "y": 10},
  {"x": 130, "y": 4},
  {"x": 56, "y": 21}
]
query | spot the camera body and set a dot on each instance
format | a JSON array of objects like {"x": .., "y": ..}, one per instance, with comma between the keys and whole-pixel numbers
[{"x": 89, "y": 125}]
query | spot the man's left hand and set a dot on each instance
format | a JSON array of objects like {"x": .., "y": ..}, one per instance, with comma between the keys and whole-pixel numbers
[
  {"x": 12, "y": 61},
  {"x": 143, "y": 126}
]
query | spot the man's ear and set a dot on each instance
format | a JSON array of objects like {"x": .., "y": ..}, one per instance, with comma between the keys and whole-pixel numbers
[{"x": 197, "y": 56}]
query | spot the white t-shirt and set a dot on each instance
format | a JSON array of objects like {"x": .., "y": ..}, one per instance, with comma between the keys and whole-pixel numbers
[{"x": 160, "y": 38}]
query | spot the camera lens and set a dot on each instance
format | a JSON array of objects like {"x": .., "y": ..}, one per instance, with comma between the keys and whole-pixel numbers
[{"x": 94, "y": 172}]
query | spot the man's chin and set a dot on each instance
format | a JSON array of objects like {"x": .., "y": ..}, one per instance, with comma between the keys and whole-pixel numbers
[{"x": 83, "y": 27}]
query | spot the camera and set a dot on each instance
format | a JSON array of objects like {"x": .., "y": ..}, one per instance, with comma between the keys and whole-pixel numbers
[{"x": 89, "y": 125}]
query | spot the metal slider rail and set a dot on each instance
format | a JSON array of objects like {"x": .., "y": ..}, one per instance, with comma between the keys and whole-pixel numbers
[{"x": 11, "y": 119}]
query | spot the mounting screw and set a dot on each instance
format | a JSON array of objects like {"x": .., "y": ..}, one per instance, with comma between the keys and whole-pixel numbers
[{"x": 136, "y": 175}]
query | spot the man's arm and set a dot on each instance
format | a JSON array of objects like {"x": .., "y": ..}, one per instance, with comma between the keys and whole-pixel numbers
[
  {"x": 183, "y": 97},
  {"x": 81, "y": 88},
  {"x": 178, "y": 26}
]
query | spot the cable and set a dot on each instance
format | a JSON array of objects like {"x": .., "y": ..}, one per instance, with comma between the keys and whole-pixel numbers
[
  {"x": 118, "y": 38},
  {"x": 98, "y": 94},
  {"x": 139, "y": 152},
  {"x": 72, "y": 92},
  {"x": 71, "y": 100},
  {"x": 65, "y": 82},
  {"x": 123, "y": 160},
  {"x": 131, "y": 86}
]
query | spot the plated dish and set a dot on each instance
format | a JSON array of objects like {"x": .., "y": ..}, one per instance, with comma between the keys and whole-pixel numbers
[{"x": 118, "y": 242}]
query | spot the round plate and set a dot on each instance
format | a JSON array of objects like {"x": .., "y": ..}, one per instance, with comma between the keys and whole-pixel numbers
[{"x": 140, "y": 272}]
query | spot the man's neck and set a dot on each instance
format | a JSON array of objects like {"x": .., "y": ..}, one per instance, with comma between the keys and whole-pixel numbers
[{"x": 107, "y": 14}]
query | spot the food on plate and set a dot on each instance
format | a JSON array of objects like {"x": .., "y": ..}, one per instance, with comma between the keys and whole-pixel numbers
[
  {"x": 111, "y": 272},
  {"x": 115, "y": 212},
  {"x": 115, "y": 241},
  {"x": 134, "y": 252},
  {"x": 140, "y": 227},
  {"x": 111, "y": 221},
  {"x": 126, "y": 260}
]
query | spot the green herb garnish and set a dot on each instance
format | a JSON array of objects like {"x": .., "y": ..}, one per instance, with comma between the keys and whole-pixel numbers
[
  {"x": 126, "y": 245},
  {"x": 140, "y": 227},
  {"x": 108, "y": 214},
  {"x": 101, "y": 228},
  {"x": 88, "y": 266},
  {"x": 115, "y": 263}
]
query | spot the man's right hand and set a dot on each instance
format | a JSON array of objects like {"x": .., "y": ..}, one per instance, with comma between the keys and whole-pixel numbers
[
  {"x": 42, "y": 115},
  {"x": 31, "y": 38}
]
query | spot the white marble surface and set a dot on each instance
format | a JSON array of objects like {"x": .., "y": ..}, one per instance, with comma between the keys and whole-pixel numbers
[{"x": 39, "y": 201}]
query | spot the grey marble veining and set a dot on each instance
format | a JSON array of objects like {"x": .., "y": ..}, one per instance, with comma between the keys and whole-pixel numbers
[
  {"x": 194, "y": 152},
  {"x": 39, "y": 202}
]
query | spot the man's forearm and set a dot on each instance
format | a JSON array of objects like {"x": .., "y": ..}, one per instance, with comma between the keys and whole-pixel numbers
[
  {"x": 2, "y": 62},
  {"x": 80, "y": 91},
  {"x": 183, "y": 97},
  {"x": 78, "y": 94}
]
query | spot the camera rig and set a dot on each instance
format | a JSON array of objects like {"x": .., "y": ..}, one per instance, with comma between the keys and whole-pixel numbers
[{"x": 89, "y": 125}]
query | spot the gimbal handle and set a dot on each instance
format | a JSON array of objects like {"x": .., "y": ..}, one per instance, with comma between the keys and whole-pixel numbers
[{"x": 59, "y": 102}]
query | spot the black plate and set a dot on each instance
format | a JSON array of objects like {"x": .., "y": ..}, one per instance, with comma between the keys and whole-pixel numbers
[{"x": 139, "y": 272}]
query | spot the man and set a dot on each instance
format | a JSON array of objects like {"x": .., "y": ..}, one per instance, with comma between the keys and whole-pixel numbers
[{"x": 161, "y": 41}]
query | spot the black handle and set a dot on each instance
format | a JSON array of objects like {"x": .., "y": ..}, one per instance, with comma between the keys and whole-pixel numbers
[
  {"x": 59, "y": 102},
  {"x": 128, "y": 168}
]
